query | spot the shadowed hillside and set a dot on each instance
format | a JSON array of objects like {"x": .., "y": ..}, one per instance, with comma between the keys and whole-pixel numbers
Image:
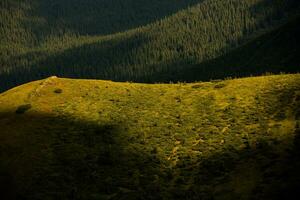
[
  {"x": 86, "y": 139},
  {"x": 159, "y": 47},
  {"x": 274, "y": 52}
]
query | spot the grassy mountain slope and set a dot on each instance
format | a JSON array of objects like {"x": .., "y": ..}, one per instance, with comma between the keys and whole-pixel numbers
[
  {"x": 178, "y": 37},
  {"x": 86, "y": 139}
]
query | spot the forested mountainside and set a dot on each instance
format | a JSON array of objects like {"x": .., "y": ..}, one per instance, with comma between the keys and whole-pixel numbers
[
  {"x": 274, "y": 52},
  {"x": 88, "y": 139},
  {"x": 144, "y": 41}
]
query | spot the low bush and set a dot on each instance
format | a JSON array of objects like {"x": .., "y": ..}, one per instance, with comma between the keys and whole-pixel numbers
[
  {"x": 58, "y": 91},
  {"x": 23, "y": 108},
  {"x": 220, "y": 85}
]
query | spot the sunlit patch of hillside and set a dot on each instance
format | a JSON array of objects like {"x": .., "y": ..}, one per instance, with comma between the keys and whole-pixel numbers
[{"x": 88, "y": 139}]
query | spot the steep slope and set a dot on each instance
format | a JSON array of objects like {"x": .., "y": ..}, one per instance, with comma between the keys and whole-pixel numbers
[
  {"x": 92, "y": 17},
  {"x": 178, "y": 37},
  {"x": 275, "y": 52},
  {"x": 87, "y": 139}
]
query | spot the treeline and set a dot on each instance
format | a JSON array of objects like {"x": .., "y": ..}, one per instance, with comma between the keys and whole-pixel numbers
[{"x": 168, "y": 49}]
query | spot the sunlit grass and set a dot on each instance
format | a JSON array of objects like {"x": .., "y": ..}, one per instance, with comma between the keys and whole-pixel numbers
[{"x": 172, "y": 141}]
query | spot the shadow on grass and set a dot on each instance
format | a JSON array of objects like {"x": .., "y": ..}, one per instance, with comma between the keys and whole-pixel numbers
[
  {"x": 47, "y": 157},
  {"x": 61, "y": 158}
]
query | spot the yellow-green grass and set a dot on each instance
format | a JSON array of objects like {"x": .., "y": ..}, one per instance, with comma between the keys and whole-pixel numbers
[{"x": 90, "y": 139}]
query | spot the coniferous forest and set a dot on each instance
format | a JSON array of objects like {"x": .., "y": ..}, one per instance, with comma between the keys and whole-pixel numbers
[{"x": 146, "y": 40}]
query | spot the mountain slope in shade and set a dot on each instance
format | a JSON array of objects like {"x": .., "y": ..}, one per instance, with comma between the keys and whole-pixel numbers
[
  {"x": 273, "y": 52},
  {"x": 40, "y": 38}
]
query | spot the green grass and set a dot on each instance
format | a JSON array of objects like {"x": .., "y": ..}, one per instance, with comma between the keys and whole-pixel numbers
[{"x": 233, "y": 139}]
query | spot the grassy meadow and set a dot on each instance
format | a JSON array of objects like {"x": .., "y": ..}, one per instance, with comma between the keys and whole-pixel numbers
[{"x": 86, "y": 139}]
